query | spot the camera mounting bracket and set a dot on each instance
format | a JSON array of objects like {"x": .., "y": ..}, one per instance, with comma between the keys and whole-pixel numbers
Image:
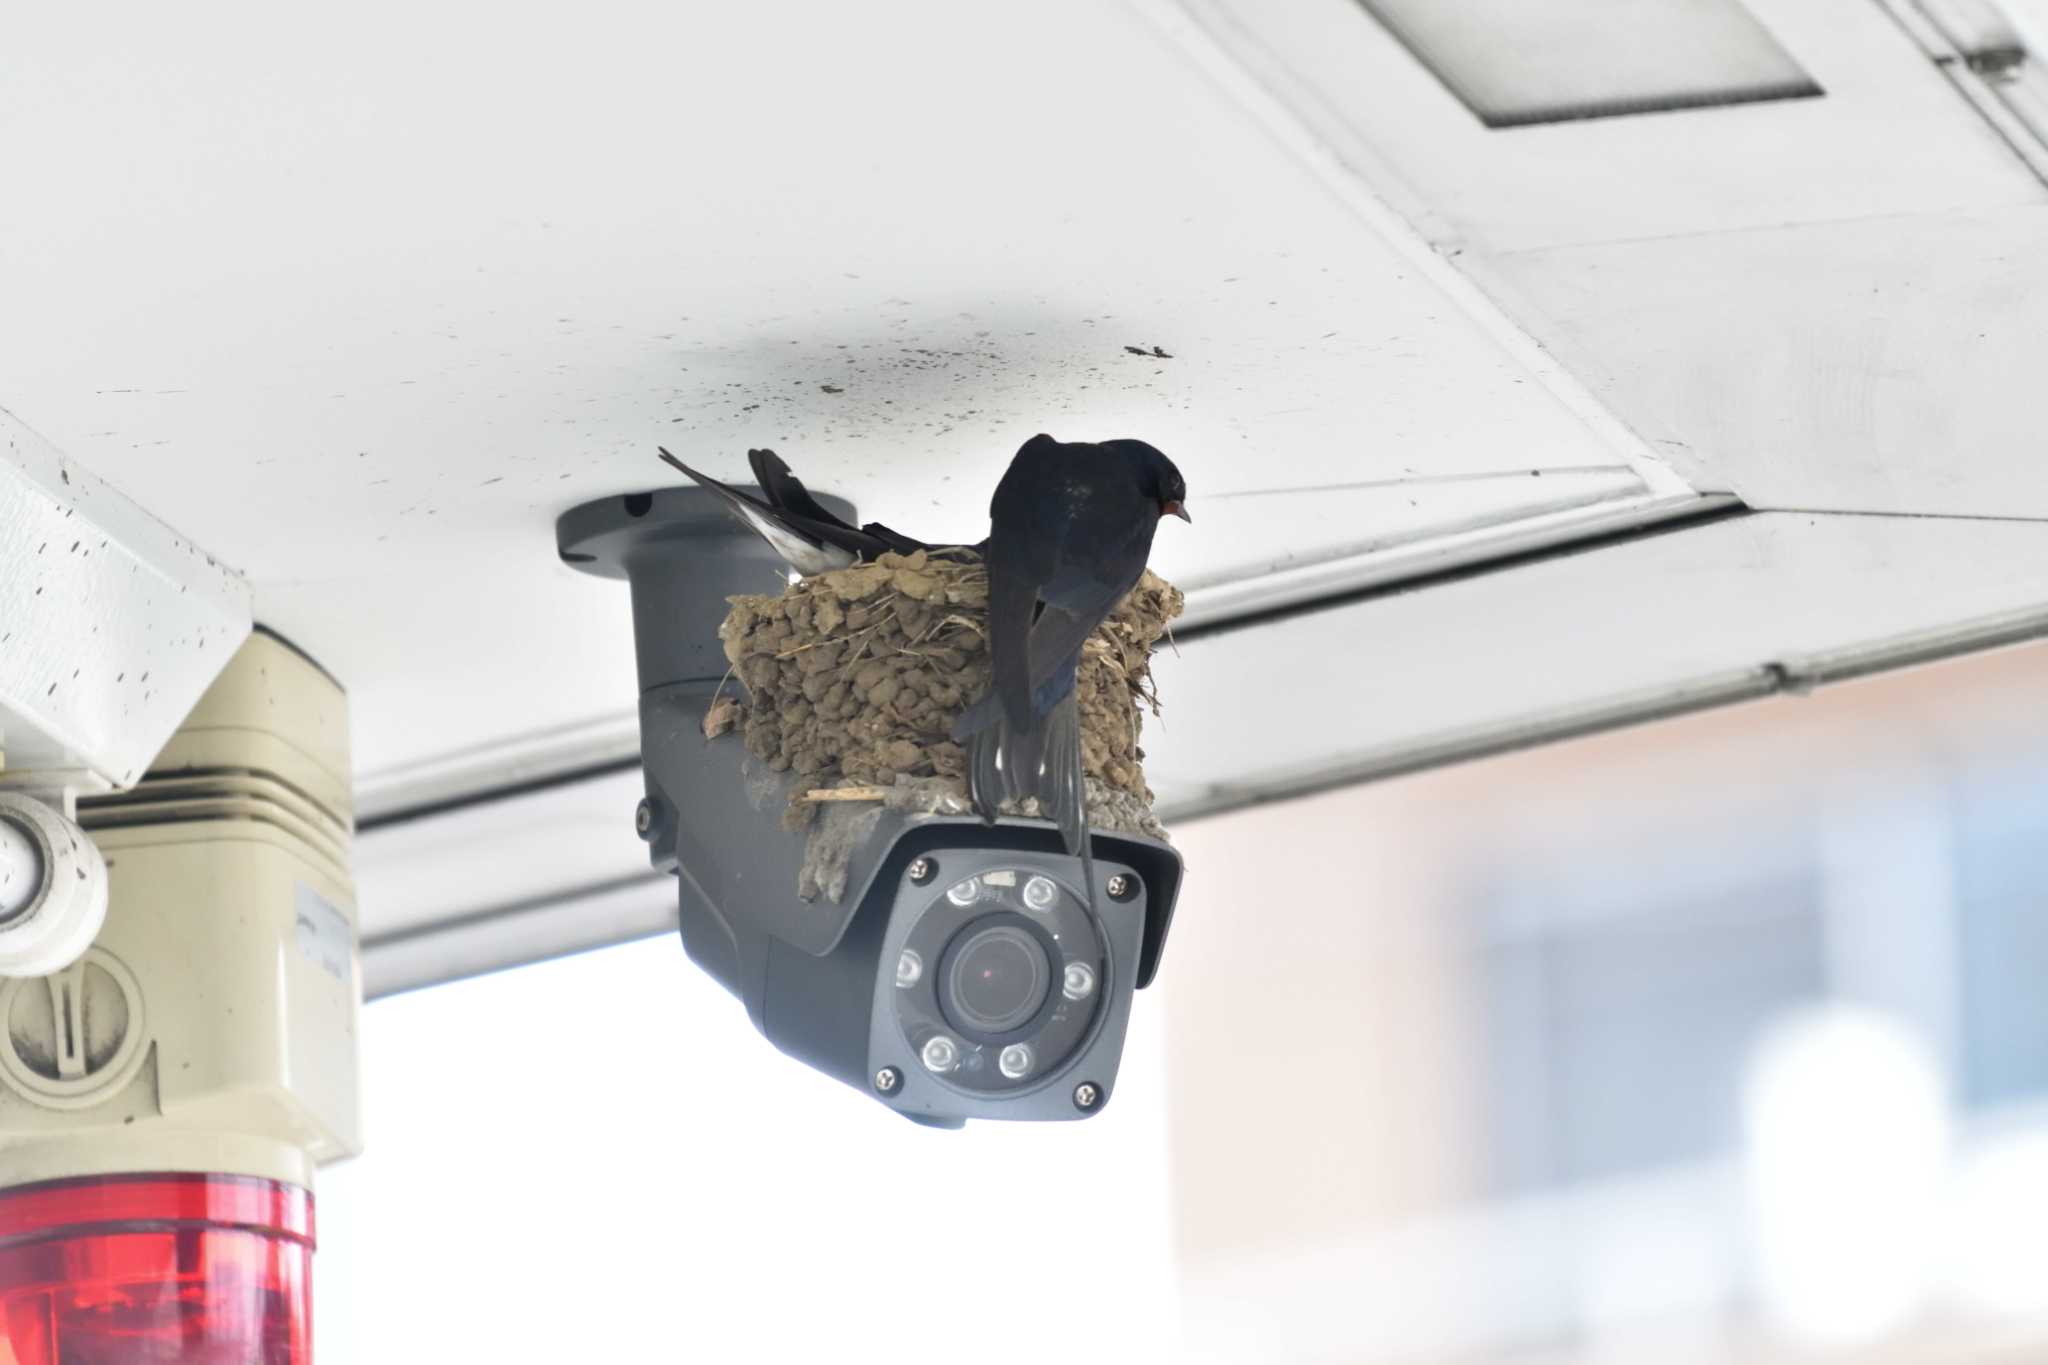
[{"x": 683, "y": 555}]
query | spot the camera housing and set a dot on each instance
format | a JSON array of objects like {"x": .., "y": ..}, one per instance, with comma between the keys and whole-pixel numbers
[{"x": 968, "y": 971}]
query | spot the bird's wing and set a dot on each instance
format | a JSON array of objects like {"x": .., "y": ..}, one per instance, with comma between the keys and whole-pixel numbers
[
  {"x": 1077, "y": 600},
  {"x": 802, "y": 549},
  {"x": 1056, "y": 641},
  {"x": 897, "y": 541},
  {"x": 786, "y": 492}
]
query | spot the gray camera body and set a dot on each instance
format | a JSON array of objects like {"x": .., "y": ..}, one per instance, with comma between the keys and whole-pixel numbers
[{"x": 969, "y": 970}]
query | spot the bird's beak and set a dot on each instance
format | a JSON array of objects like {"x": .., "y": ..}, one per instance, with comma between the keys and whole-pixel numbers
[{"x": 1174, "y": 509}]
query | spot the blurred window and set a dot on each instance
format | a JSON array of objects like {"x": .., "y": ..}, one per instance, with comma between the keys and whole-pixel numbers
[
  {"x": 1617, "y": 1037},
  {"x": 2002, "y": 893}
]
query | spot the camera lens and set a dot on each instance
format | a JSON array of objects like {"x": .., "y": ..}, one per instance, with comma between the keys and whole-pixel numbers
[
  {"x": 1010, "y": 969},
  {"x": 997, "y": 978}
]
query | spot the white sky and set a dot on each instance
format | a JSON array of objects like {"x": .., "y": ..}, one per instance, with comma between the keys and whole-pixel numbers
[{"x": 598, "y": 1159}]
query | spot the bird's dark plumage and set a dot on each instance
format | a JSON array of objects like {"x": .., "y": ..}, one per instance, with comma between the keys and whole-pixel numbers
[
  {"x": 796, "y": 525},
  {"x": 786, "y": 492},
  {"x": 1071, "y": 527}
]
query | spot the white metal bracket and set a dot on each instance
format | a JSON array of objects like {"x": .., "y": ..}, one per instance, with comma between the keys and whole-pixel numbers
[{"x": 111, "y": 624}]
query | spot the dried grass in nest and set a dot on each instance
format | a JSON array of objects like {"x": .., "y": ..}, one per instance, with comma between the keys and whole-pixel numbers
[{"x": 855, "y": 677}]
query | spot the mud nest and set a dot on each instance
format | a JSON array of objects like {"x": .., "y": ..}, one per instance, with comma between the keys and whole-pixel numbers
[{"x": 855, "y": 677}]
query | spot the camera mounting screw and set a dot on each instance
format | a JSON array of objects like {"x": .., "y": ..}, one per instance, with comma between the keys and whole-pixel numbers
[
  {"x": 1121, "y": 887},
  {"x": 643, "y": 817},
  {"x": 1087, "y": 1095},
  {"x": 922, "y": 870},
  {"x": 887, "y": 1079}
]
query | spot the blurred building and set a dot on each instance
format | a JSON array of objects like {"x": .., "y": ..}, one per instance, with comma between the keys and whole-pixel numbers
[{"x": 1720, "y": 1039}]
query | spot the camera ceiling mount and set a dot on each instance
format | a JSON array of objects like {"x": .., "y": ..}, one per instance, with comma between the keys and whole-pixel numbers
[{"x": 684, "y": 556}]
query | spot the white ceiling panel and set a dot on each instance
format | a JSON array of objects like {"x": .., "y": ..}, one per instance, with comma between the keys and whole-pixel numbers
[
  {"x": 2030, "y": 19},
  {"x": 1889, "y": 137},
  {"x": 363, "y": 316},
  {"x": 1252, "y": 533},
  {"x": 364, "y": 313},
  {"x": 1744, "y": 607},
  {"x": 1884, "y": 366},
  {"x": 1833, "y": 303}
]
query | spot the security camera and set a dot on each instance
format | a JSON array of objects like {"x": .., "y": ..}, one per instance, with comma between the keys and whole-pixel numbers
[
  {"x": 971, "y": 972},
  {"x": 965, "y": 970}
]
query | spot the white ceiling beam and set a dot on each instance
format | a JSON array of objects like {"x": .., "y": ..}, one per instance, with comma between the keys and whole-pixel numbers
[{"x": 1454, "y": 669}]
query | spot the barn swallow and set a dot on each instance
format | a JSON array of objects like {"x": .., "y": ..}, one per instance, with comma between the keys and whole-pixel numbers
[{"x": 1070, "y": 530}]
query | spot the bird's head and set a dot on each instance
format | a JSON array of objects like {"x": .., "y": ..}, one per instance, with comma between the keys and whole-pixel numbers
[{"x": 1158, "y": 477}]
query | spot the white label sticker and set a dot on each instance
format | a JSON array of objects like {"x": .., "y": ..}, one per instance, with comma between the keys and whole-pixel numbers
[{"x": 323, "y": 933}]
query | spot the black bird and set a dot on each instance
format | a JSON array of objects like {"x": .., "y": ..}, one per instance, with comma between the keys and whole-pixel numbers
[
  {"x": 1071, "y": 527},
  {"x": 796, "y": 525}
]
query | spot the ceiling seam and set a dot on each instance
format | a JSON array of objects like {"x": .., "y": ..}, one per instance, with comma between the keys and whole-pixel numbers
[{"x": 1177, "y": 24}]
